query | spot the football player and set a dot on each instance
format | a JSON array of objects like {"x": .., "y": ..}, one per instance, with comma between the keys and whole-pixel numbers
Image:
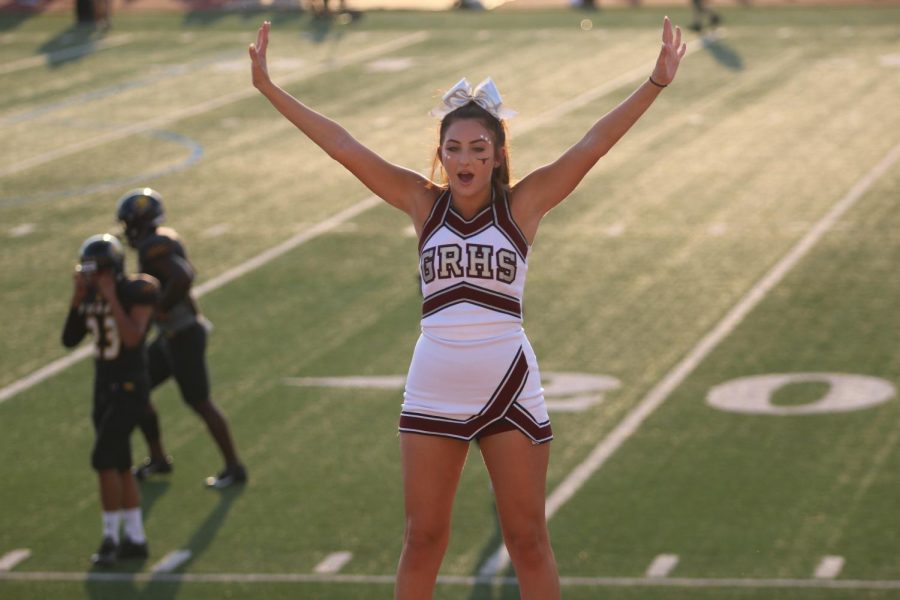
[
  {"x": 116, "y": 310},
  {"x": 179, "y": 348}
]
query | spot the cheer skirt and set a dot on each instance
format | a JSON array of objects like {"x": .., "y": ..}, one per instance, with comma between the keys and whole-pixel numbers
[{"x": 463, "y": 388}]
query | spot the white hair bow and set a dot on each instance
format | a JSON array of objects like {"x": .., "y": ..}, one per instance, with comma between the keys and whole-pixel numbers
[{"x": 484, "y": 95}]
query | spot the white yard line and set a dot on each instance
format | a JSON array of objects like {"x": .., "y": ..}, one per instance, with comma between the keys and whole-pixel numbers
[
  {"x": 466, "y": 580},
  {"x": 65, "y": 54},
  {"x": 208, "y": 105},
  {"x": 499, "y": 561},
  {"x": 44, "y": 373},
  {"x": 257, "y": 261},
  {"x": 286, "y": 246}
]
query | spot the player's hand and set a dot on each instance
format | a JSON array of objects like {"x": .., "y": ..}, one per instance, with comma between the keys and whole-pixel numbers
[
  {"x": 258, "y": 67},
  {"x": 80, "y": 286},
  {"x": 670, "y": 54},
  {"x": 106, "y": 285}
]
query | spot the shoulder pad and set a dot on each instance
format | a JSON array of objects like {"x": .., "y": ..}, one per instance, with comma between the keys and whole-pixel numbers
[
  {"x": 142, "y": 289},
  {"x": 156, "y": 246},
  {"x": 168, "y": 232}
]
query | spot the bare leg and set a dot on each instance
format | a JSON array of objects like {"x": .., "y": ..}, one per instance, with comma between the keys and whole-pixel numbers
[
  {"x": 518, "y": 471},
  {"x": 110, "y": 489},
  {"x": 131, "y": 496},
  {"x": 218, "y": 428},
  {"x": 431, "y": 471},
  {"x": 149, "y": 425}
]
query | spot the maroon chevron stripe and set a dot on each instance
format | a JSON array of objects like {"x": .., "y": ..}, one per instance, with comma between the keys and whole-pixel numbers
[
  {"x": 521, "y": 418},
  {"x": 435, "y": 218},
  {"x": 466, "y": 292},
  {"x": 506, "y": 224},
  {"x": 497, "y": 407},
  {"x": 464, "y": 228}
]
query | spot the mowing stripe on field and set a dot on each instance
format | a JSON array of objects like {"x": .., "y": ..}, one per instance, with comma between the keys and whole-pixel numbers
[
  {"x": 585, "y": 98},
  {"x": 607, "y": 446},
  {"x": 65, "y": 54},
  {"x": 208, "y": 105},
  {"x": 169, "y": 72},
  {"x": 65, "y": 362},
  {"x": 466, "y": 580}
]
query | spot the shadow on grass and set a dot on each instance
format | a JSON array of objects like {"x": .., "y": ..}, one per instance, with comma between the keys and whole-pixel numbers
[
  {"x": 320, "y": 27},
  {"x": 723, "y": 53},
  {"x": 489, "y": 590},
  {"x": 75, "y": 42},
  {"x": 121, "y": 582}
]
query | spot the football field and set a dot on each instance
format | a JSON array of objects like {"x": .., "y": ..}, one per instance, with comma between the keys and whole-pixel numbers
[{"x": 715, "y": 308}]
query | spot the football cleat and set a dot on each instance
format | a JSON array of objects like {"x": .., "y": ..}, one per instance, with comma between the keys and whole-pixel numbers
[
  {"x": 153, "y": 466},
  {"x": 129, "y": 549},
  {"x": 229, "y": 476},
  {"x": 106, "y": 553}
]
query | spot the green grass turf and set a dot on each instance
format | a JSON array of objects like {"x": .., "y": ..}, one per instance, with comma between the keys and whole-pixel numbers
[{"x": 763, "y": 132}]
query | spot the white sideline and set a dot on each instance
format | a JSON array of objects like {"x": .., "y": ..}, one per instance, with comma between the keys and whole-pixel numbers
[
  {"x": 499, "y": 561},
  {"x": 466, "y": 580},
  {"x": 208, "y": 105},
  {"x": 63, "y": 363}
]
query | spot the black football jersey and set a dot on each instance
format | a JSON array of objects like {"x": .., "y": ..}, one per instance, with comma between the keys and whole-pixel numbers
[
  {"x": 165, "y": 245},
  {"x": 111, "y": 356},
  {"x": 161, "y": 245}
]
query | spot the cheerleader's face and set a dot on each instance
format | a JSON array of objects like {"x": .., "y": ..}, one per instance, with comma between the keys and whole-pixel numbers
[{"x": 469, "y": 156}]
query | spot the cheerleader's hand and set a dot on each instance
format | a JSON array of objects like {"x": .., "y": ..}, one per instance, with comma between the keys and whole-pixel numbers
[
  {"x": 670, "y": 54},
  {"x": 259, "y": 70}
]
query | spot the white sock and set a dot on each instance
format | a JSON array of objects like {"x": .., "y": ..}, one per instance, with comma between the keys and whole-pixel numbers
[
  {"x": 134, "y": 525},
  {"x": 111, "y": 522}
]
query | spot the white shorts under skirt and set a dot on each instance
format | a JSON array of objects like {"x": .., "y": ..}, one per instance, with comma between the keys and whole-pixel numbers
[{"x": 464, "y": 388}]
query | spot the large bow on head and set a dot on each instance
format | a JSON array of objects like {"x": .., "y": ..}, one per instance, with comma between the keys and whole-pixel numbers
[{"x": 484, "y": 95}]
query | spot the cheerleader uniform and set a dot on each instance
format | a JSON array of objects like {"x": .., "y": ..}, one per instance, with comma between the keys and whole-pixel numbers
[{"x": 473, "y": 371}]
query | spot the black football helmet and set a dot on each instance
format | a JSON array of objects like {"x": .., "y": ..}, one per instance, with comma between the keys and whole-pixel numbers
[
  {"x": 140, "y": 211},
  {"x": 102, "y": 251}
]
